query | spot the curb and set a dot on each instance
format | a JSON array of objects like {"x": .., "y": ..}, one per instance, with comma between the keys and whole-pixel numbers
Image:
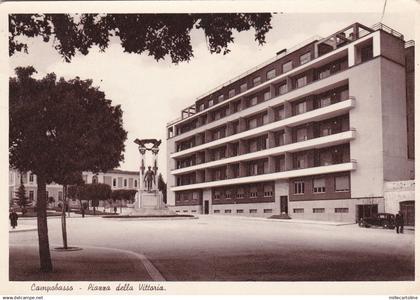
[
  {"x": 147, "y": 264},
  {"x": 286, "y": 220},
  {"x": 22, "y": 230},
  {"x": 138, "y": 258}
]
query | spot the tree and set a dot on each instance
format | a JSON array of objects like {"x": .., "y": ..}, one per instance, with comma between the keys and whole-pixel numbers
[
  {"x": 21, "y": 199},
  {"x": 157, "y": 34},
  {"x": 162, "y": 186},
  {"x": 66, "y": 178},
  {"x": 75, "y": 191},
  {"x": 51, "y": 200},
  {"x": 123, "y": 194},
  {"x": 119, "y": 195},
  {"x": 60, "y": 127},
  {"x": 96, "y": 192}
]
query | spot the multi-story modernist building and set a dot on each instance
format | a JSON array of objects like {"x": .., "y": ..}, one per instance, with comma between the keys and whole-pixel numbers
[
  {"x": 117, "y": 179},
  {"x": 316, "y": 132}
]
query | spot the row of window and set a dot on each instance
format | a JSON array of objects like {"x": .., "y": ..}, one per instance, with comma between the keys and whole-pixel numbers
[
  {"x": 338, "y": 210},
  {"x": 186, "y": 211},
  {"x": 258, "y": 143},
  {"x": 32, "y": 195},
  {"x": 299, "y": 106},
  {"x": 125, "y": 182},
  {"x": 341, "y": 184},
  {"x": 31, "y": 177},
  {"x": 241, "y": 211},
  {"x": 265, "y": 190},
  {"x": 286, "y": 67},
  {"x": 188, "y": 196},
  {"x": 281, "y": 88},
  {"x": 299, "y": 160}
]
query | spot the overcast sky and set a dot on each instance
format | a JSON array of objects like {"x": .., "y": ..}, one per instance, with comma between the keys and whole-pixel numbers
[{"x": 153, "y": 93}]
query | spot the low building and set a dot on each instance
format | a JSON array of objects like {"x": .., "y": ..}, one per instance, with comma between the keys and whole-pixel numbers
[{"x": 116, "y": 179}]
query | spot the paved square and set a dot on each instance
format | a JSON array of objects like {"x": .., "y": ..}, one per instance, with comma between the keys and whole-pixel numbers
[{"x": 226, "y": 249}]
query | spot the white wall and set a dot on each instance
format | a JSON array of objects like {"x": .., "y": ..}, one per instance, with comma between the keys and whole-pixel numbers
[
  {"x": 396, "y": 164},
  {"x": 396, "y": 192},
  {"x": 170, "y": 165},
  {"x": 366, "y": 148}
]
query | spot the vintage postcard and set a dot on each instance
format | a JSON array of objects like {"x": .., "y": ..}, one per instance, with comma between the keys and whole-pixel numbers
[{"x": 208, "y": 147}]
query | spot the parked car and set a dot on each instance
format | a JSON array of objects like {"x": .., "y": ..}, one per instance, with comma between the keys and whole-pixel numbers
[{"x": 383, "y": 220}]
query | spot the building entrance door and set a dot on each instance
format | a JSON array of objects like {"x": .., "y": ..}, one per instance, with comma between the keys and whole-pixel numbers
[
  {"x": 284, "y": 205},
  {"x": 407, "y": 210},
  {"x": 366, "y": 211},
  {"x": 206, "y": 207}
]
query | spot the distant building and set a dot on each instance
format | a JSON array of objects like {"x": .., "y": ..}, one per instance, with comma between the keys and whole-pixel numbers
[
  {"x": 316, "y": 132},
  {"x": 116, "y": 179}
]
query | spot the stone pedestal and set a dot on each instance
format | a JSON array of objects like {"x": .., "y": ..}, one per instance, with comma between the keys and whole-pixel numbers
[
  {"x": 152, "y": 199},
  {"x": 149, "y": 204}
]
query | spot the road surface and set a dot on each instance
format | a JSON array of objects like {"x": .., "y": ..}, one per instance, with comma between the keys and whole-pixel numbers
[{"x": 226, "y": 248}]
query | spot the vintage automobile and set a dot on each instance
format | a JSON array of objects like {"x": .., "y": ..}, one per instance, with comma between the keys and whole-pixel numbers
[{"x": 383, "y": 220}]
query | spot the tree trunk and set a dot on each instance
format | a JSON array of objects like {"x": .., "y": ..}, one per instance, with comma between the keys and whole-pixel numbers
[
  {"x": 94, "y": 208},
  {"x": 44, "y": 245},
  {"x": 63, "y": 217}
]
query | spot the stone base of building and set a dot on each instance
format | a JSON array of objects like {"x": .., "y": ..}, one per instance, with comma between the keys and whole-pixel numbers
[
  {"x": 190, "y": 209},
  {"x": 340, "y": 210}
]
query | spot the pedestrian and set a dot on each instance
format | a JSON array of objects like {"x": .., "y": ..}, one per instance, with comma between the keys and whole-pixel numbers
[
  {"x": 399, "y": 222},
  {"x": 115, "y": 210},
  {"x": 13, "y": 219},
  {"x": 83, "y": 212}
]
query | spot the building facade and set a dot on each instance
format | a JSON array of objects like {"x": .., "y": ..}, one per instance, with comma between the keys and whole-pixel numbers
[
  {"x": 316, "y": 132},
  {"x": 116, "y": 179}
]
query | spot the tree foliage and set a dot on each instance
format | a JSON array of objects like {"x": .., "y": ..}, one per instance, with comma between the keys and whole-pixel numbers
[
  {"x": 162, "y": 186},
  {"x": 21, "y": 199},
  {"x": 91, "y": 192},
  {"x": 158, "y": 35},
  {"x": 96, "y": 192},
  {"x": 58, "y": 128},
  {"x": 123, "y": 194}
]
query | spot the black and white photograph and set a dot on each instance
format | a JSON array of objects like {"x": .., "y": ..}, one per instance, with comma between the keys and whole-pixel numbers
[{"x": 206, "y": 146}]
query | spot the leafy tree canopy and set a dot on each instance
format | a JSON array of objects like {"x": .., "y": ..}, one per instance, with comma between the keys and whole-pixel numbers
[
  {"x": 92, "y": 191},
  {"x": 96, "y": 192},
  {"x": 156, "y": 34},
  {"x": 60, "y": 128},
  {"x": 123, "y": 194}
]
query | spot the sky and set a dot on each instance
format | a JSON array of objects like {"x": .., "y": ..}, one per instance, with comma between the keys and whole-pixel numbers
[{"x": 153, "y": 93}]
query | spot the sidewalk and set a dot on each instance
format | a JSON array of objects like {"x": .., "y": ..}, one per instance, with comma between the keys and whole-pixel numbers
[
  {"x": 300, "y": 221},
  {"x": 22, "y": 228},
  {"x": 88, "y": 264}
]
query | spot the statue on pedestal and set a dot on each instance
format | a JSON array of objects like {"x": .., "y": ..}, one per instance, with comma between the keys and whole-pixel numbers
[
  {"x": 149, "y": 179},
  {"x": 148, "y": 198}
]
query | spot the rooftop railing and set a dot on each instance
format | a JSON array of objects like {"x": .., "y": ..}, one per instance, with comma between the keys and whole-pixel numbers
[
  {"x": 409, "y": 43},
  {"x": 380, "y": 26},
  {"x": 266, "y": 63}
]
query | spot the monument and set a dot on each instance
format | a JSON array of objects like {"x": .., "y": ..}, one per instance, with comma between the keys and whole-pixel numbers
[{"x": 148, "y": 199}]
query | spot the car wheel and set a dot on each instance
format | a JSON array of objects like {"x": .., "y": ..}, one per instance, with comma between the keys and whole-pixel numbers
[{"x": 385, "y": 225}]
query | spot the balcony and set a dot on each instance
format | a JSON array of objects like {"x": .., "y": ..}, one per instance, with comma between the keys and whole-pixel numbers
[
  {"x": 346, "y": 39},
  {"x": 321, "y": 142},
  {"x": 343, "y": 167},
  {"x": 330, "y": 111}
]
